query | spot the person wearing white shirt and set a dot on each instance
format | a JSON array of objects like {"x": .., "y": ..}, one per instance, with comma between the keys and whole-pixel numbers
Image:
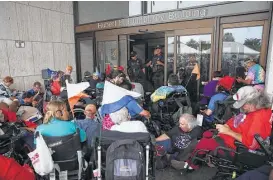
[{"x": 121, "y": 118}]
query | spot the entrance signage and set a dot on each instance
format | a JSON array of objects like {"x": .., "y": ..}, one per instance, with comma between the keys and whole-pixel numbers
[{"x": 153, "y": 19}]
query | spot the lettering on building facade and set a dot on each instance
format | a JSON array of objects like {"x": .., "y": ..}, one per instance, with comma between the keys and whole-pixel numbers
[{"x": 154, "y": 18}]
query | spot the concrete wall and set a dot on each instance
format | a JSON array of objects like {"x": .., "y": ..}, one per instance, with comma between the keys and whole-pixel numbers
[{"x": 48, "y": 31}]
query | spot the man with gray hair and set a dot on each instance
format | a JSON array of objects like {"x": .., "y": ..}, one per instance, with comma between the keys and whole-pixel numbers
[
  {"x": 179, "y": 138},
  {"x": 121, "y": 119}
]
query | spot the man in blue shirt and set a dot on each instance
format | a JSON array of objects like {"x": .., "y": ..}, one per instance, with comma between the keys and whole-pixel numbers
[
  {"x": 89, "y": 124},
  {"x": 223, "y": 88},
  {"x": 37, "y": 87}
]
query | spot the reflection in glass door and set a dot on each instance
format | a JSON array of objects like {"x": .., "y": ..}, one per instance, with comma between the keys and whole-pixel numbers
[
  {"x": 170, "y": 55},
  {"x": 107, "y": 53},
  {"x": 192, "y": 50},
  {"x": 240, "y": 44},
  {"x": 86, "y": 56}
]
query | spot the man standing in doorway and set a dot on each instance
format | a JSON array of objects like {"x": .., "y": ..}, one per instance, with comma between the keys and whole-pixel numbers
[
  {"x": 136, "y": 69},
  {"x": 157, "y": 65}
]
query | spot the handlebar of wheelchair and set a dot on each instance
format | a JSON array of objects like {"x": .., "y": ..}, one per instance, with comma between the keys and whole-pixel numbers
[
  {"x": 219, "y": 121},
  {"x": 263, "y": 145}
]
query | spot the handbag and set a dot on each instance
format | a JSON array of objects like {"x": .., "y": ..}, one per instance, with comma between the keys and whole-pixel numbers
[{"x": 41, "y": 158}]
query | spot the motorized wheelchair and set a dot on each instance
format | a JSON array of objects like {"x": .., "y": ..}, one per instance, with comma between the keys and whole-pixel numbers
[
  {"x": 11, "y": 143},
  {"x": 165, "y": 109},
  {"x": 232, "y": 163},
  {"x": 106, "y": 138},
  {"x": 68, "y": 157},
  {"x": 223, "y": 111}
]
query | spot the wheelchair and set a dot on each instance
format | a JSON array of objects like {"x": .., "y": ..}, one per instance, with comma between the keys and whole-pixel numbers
[
  {"x": 102, "y": 143},
  {"x": 165, "y": 109},
  {"x": 234, "y": 163},
  {"x": 223, "y": 112},
  {"x": 68, "y": 157}
]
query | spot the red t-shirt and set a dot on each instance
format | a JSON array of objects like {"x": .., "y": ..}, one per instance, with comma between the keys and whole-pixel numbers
[
  {"x": 11, "y": 170},
  {"x": 9, "y": 115},
  {"x": 56, "y": 88},
  {"x": 258, "y": 122}
]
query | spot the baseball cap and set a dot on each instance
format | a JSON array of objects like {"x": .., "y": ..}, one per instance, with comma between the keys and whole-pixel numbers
[
  {"x": 27, "y": 95},
  {"x": 249, "y": 59},
  {"x": 244, "y": 94},
  {"x": 226, "y": 82},
  {"x": 133, "y": 54},
  {"x": 87, "y": 74},
  {"x": 158, "y": 47}
]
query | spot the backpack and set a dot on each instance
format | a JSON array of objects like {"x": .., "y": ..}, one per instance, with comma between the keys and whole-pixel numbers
[{"x": 125, "y": 161}]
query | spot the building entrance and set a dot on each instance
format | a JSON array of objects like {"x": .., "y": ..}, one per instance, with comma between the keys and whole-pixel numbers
[{"x": 149, "y": 48}]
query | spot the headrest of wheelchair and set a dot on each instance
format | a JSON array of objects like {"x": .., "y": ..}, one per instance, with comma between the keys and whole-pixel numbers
[
  {"x": 53, "y": 141},
  {"x": 107, "y": 137}
]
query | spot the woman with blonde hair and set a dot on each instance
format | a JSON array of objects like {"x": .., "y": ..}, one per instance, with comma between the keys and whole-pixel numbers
[{"x": 56, "y": 121}]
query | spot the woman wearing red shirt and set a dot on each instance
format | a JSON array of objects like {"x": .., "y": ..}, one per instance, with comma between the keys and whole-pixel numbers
[{"x": 255, "y": 119}]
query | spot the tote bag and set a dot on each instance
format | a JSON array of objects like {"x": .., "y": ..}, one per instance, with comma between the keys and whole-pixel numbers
[{"x": 41, "y": 158}]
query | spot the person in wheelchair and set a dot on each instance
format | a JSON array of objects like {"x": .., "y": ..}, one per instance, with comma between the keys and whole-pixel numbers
[
  {"x": 27, "y": 98},
  {"x": 210, "y": 87},
  {"x": 9, "y": 115},
  {"x": 56, "y": 122},
  {"x": 89, "y": 124},
  {"x": 163, "y": 92},
  {"x": 257, "y": 120},
  {"x": 94, "y": 80},
  {"x": 224, "y": 86},
  {"x": 100, "y": 85},
  {"x": 122, "y": 122},
  {"x": 177, "y": 140},
  {"x": 255, "y": 74}
]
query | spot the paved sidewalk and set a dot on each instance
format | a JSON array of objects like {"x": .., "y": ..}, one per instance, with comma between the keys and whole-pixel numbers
[{"x": 205, "y": 173}]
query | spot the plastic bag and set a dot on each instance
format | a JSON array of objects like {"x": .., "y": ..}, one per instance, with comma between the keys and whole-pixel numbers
[{"x": 41, "y": 157}]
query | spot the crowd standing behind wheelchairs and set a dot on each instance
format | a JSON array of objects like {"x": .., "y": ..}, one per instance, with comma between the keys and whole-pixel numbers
[{"x": 181, "y": 144}]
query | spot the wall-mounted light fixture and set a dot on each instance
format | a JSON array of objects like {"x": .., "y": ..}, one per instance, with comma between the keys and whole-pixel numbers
[{"x": 19, "y": 44}]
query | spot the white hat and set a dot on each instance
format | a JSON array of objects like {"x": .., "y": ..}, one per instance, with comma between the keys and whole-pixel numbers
[{"x": 243, "y": 95}]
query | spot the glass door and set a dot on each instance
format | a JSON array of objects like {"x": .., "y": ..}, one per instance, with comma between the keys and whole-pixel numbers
[
  {"x": 107, "y": 52},
  {"x": 123, "y": 51},
  {"x": 241, "y": 41},
  {"x": 170, "y": 55},
  {"x": 85, "y": 57},
  {"x": 193, "y": 58}
]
